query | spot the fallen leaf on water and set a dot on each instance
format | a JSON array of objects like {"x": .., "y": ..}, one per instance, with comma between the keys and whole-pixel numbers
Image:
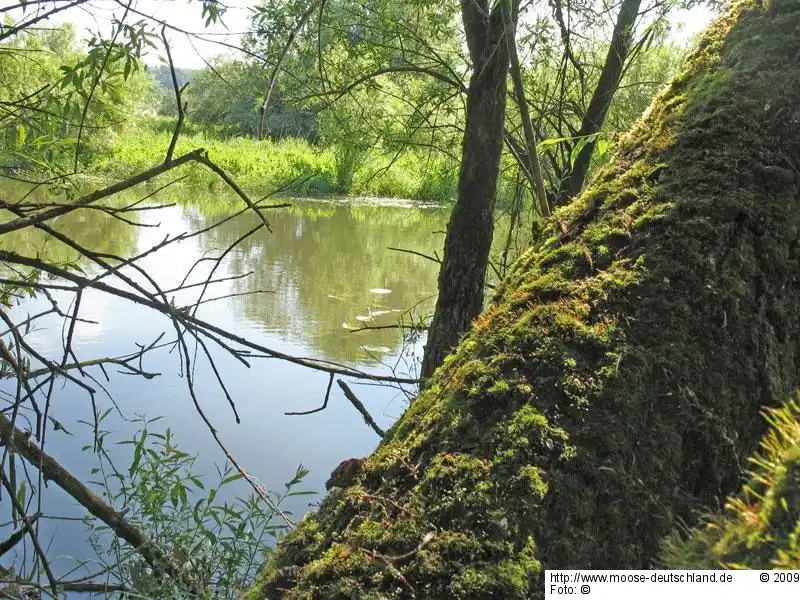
[{"x": 377, "y": 349}]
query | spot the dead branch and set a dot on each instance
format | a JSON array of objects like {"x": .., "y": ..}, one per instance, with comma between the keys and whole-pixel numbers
[
  {"x": 28, "y": 589},
  {"x": 259, "y": 489},
  {"x": 415, "y": 253},
  {"x": 206, "y": 328},
  {"x": 378, "y": 327},
  {"x": 93, "y": 197},
  {"x": 39, "y": 17},
  {"x": 28, "y": 527},
  {"x": 324, "y": 403},
  {"x": 348, "y": 393},
  {"x": 17, "y": 536}
]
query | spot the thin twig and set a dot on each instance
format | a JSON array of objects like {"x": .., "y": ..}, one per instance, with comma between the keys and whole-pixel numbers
[
  {"x": 324, "y": 403},
  {"x": 179, "y": 102},
  {"x": 28, "y": 527},
  {"x": 17, "y": 536},
  {"x": 348, "y": 393},
  {"x": 167, "y": 309},
  {"x": 414, "y": 252}
]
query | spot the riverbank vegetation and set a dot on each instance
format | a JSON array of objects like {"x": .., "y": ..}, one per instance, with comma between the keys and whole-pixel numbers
[
  {"x": 295, "y": 166},
  {"x": 305, "y": 148}
]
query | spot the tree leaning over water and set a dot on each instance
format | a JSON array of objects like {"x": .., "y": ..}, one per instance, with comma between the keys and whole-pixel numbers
[{"x": 613, "y": 387}]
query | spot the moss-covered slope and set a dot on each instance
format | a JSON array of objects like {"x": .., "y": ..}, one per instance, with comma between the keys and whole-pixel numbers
[
  {"x": 614, "y": 386},
  {"x": 760, "y": 528}
]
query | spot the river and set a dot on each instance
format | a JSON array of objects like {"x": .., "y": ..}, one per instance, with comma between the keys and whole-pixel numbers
[{"x": 323, "y": 270}]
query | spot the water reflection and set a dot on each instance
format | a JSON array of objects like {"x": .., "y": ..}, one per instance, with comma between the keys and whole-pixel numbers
[
  {"x": 326, "y": 263},
  {"x": 328, "y": 267},
  {"x": 92, "y": 229}
]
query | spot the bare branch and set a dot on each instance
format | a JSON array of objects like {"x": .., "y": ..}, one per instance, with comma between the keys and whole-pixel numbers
[
  {"x": 435, "y": 259},
  {"x": 16, "y": 537},
  {"x": 178, "y": 100},
  {"x": 88, "y": 199},
  {"x": 28, "y": 526},
  {"x": 324, "y": 403},
  {"x": 41, "y": 17},
  {"x": 348, "y": 393}
]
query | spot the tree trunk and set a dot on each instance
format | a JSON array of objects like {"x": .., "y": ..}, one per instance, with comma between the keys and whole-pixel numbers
[
  {"x": 613, "y": 388},
  {"x": 531, "y": 164},
  {"x": 469, "y": 233},
  {"x": 621, "y": 42},
  {"x": 758, "y": 528}
]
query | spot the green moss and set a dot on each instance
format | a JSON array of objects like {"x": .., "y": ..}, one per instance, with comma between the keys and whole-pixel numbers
[
  {"x": 760, "y": 527},
  {"x": 614, "y": 385}
]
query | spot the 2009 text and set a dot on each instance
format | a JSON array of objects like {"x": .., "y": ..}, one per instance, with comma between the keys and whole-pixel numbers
[{"x": 664, "y": 585}]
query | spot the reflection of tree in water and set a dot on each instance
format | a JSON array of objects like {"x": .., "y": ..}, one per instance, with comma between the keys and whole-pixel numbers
[
  {"x": 92, "y": 229},
  {"x": 322, "y": 261}
]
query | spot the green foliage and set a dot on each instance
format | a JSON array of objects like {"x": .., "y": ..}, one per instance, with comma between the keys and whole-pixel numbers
[
  {"x": 647, "y": 72},
  {"x": 58, "y": 93},
  {"x": 266, "y": 164},
  {"x": 306, "y": 169},
  {"x": 225, "y": 97},
  {"x": 163, "y": 76},
  {"x": 215, "y": 537},
  {"x": 612, "y": 387},
  {"x": 760, "y": 526},
  {"x": 363, "y": 73}
]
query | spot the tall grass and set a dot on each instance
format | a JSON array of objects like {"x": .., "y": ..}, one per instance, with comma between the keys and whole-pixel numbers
[{"x": 268, "y": 165}]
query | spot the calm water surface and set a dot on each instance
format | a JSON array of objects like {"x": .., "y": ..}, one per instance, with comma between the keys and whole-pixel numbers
[{"x": 325, "y": 268}]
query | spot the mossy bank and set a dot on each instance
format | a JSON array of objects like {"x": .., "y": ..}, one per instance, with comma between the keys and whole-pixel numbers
[{"x": 615, "y": 384}]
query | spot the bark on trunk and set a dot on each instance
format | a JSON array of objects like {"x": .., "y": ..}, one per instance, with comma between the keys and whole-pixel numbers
[
  {"x": 469, "y": 233},
  {"x": 758, "y": 527},
  {"x": 621, "y": 43},
  {"x": 613, "y": 388}
]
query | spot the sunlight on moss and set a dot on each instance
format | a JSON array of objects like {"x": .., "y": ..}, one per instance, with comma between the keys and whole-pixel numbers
[
  {"x": 760, "y": 527},
  {"x": 614, "y": 384}
]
